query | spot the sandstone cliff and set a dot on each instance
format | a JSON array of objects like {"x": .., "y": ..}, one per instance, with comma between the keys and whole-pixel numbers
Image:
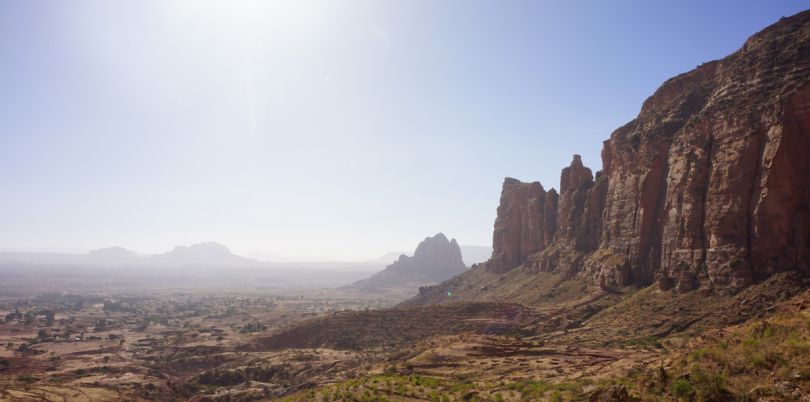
[
  {"x": 708, "y": 186},
  {"x": 526, "y": 223}
]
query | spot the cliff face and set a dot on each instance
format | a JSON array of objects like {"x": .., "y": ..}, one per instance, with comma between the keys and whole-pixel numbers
[
  {"x": 575, "y": 181},
  {"x": 526, "y": 223},
  {"x": 709, "y": 185}
]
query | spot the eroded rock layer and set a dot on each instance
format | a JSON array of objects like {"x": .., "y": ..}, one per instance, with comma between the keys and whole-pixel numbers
[{"x": 709, "y": 185}]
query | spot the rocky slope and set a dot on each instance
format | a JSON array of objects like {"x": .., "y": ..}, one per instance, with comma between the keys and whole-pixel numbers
[
  {"x": 764, "y": 358},
  {"x": 436, "y": 259},
  {"x": 399, "y": 327},
  {"x": 707, "y": 187}
]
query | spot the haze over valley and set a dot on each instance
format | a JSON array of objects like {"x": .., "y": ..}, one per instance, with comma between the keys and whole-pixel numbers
[{"x": 222, "y": 201}]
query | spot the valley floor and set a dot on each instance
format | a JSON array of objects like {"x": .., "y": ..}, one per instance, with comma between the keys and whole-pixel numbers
[{"x": 573, "y": 343}]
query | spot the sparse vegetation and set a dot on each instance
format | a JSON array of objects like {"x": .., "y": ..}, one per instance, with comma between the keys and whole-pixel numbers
[{"x": 682, "y": 389}]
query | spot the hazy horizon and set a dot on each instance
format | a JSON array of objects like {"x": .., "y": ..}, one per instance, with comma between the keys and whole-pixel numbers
[
  {"x": 471, "y": 249},
  {"x": 321, "y": 130}
]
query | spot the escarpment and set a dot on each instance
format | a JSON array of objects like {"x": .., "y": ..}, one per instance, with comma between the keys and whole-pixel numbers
[{"x": 708, "y": 186}]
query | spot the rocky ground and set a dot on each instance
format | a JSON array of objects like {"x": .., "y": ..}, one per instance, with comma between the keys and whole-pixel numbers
[
  {"x": 641, "y": 343},
  {"x": 706, "y": 357},
  {"x": 578, "y": 350},
  {"x": 140, "y": 346}
]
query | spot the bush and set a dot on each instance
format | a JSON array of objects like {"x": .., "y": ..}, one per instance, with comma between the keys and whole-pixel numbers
[
  {"x": 710, "y": 385},
  {"x": 27, "y": 378},
  {"x": 682, "y": 389}
]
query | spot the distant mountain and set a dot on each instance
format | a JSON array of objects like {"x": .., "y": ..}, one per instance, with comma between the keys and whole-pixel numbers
[
  {"x": 202, "y": 254},
  {"x": 436, "y": 259},
  {"x": 204, "y": 265},
  {"x": 111, "y": 256},
  {"x": 209, "y": 254}
]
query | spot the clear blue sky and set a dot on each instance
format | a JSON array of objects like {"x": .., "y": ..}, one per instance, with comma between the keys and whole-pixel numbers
[{"x": 333, "y": 129}]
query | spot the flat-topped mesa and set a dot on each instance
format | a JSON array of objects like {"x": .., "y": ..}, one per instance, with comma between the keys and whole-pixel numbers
[{"x": 525, "y": 224}]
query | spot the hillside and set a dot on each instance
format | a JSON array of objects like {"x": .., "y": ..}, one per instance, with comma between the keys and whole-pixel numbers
[{"x": 762, "y": 359}]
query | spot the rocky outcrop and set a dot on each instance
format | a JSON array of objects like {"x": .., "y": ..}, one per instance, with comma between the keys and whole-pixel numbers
[
  {"x": 708, "y": 186},
  {"x": 526, "y": 223},
  {"x": 575, "y": 181},
  {"x": 435, "y": 259}
]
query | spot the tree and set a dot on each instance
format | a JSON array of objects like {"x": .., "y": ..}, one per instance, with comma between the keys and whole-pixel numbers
[
  {"x": 12, "y": 316},
  {"x": 49, "y": 317}
]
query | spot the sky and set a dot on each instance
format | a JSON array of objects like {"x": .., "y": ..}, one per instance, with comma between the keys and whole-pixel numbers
[{"x": 319, "y": 129}]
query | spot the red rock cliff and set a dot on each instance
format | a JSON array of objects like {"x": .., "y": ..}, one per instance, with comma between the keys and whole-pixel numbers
[
  {"x": 526, "y": 223},
  {"x": 708, "y": 186}
]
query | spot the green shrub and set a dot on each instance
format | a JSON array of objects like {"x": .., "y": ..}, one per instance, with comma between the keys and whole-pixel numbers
[
  {"x": 751, "y": 342},
  {"x": 682, "y": 389},
  {"x": 27, "y": 378},
  {"x": 710, "y": 386},
  {"x": 532, "y": 388}
]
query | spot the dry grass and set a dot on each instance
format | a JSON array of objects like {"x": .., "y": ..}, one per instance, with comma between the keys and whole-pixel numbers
[
  {"x": 763, "y": 359},
  {"x": 423, "y": 388}
]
